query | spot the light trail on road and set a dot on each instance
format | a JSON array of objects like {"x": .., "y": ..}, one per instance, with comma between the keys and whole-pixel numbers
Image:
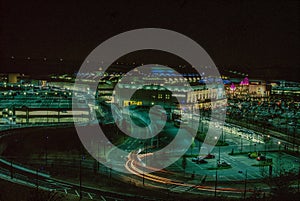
[{"x": 133, "y": 163}]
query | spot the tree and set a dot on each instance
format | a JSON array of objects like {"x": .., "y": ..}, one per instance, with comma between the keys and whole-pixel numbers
[
  {"x": 280, "y": 186},
  {"x": 192, "y": 146}
]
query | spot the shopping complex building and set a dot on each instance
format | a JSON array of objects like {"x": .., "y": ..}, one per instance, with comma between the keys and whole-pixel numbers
[{"x": 50, "y": 98}]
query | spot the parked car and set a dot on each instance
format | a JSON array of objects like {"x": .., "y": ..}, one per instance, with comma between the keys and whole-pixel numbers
[
  {"x": 209, "y": 156},
  {"x": 223, "y": 164},
  {"x": 253, "y": 155},
  {"x": 199, "y": 160},
  {"x": 261, "y": 158}
]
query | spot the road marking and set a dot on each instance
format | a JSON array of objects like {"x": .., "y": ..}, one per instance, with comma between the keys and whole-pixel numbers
[
  {"x": 102, "y": 198},
  {"x": 90, "y": 196},
  {"x": 180, "y": 188},
  {"x": 77, "y": 193}
]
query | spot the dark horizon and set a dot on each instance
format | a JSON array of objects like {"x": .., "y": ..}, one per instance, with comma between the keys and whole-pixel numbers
[{"x": 257, "y": 38}]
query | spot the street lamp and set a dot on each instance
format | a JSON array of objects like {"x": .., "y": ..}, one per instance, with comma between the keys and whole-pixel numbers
[
  {"x": 266, "y": 141},
  {"x": 145, "y": 147},
  {"x": 279, "y": 157},
  {"x": 46, "y": 151},
  {"x": 216, "y": 183},
  {"x": 245, "y": 189},
  {"x": 216, "y": 138},
  {"x": 241, "y": 143}
]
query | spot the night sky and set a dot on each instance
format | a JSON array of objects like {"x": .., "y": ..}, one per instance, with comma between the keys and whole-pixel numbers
[{"x": 261, "y": 39}]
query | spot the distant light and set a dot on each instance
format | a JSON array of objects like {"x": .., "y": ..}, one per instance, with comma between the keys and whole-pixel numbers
[
  {"x": 232, "y": 87},
  {"x": 28, "y": 58},
  {"x": 45, "y": 58},
  {"x": 245, "y": 81},
  {"x": 12, "y": 57},
  {"x": 61, "y": 59},
  {"x": 279, "y": 142}
]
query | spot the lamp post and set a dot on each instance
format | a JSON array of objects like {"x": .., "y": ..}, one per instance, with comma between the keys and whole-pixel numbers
[
  {"x": 241, "y": 143},
  {"x": 216, "y": 183},
  {"x": 266, "y": 141},
  {"x": 145, "y": 147},
  {"x": 98, "y": 154},
  {"x": 219, "y": 156},
  {"x": 11, "y": 169},
  {"x": 279, "y": 157},
  {"x": 46, "y": 151},
  {"x": 245, "y": 187},
  {"x": 298, "y": 178},
  {"x": 218, "y": 161},
  {"x": 37, "y": 179}
]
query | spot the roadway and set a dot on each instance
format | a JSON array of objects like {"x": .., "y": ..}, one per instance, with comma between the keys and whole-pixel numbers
[
  {"x": 19, "y": 174},
  {"x": 239, "y": 140},
  {"x": 165, "y": 178}
]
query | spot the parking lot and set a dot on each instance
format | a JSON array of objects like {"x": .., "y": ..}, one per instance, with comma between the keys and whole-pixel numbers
[
  {"x": 43, "y": 106},
  {"x": 240, "y": 164}
]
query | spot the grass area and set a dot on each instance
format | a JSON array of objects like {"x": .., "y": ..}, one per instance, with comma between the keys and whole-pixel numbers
[
  {"x": 237, "y": 153},
  {"x": 35, "y": 142},
  {"x": 201, "y": 137},
  {"x": 15, "y": 192},
  {"x": 219, "y": 168},
  {"x": 191, "y": 155},
  {"x": 262, "y": 164}
]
